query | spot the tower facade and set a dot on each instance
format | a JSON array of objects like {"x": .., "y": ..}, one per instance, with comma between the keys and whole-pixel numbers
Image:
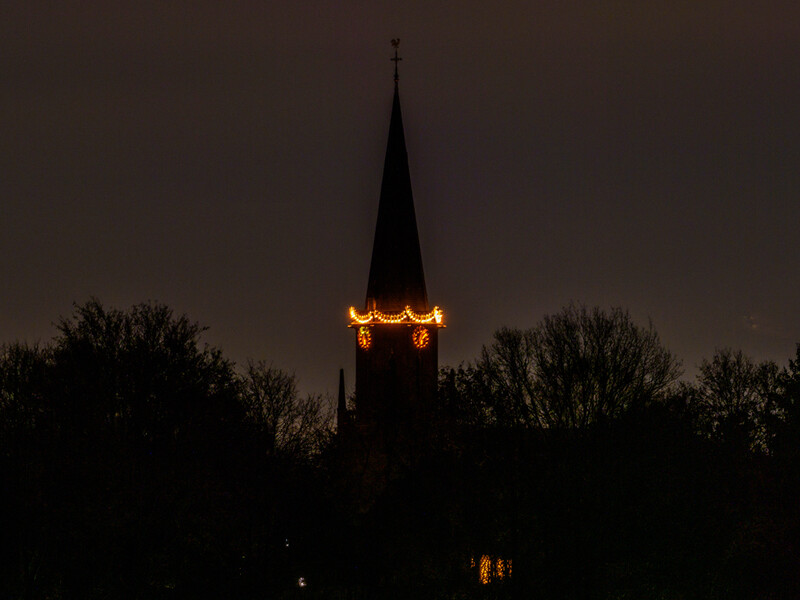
[{"x": 397, "y": 331}]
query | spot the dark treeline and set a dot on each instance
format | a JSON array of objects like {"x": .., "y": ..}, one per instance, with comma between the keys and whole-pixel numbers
[{"x": 138, "y": 463}]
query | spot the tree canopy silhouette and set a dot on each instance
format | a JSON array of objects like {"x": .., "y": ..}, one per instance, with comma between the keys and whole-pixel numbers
[
  {"x": 142, "y": 373},
  {"x": 132, "y": 467},
  {"x": 735, "y": 399},
  {"x": 572, "y": 369},
  {"x": 136, "y": 462},
  {"x": 291, "y": 425}
]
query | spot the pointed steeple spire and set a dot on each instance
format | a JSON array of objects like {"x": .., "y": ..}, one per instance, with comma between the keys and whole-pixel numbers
[
  {"x": 341, "y": 405},
  {"x": 396, "y": 277}
]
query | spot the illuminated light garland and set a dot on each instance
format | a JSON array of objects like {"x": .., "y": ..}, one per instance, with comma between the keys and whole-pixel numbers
[{"x": 407, "y": 315}]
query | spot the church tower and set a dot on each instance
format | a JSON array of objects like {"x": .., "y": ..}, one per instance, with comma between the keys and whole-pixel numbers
[{"x": 397, "y": 332}]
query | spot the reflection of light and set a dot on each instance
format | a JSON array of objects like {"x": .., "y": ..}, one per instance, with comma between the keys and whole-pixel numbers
[
  {"x": 485, "y": 569},
  {"x": 490, "y": 569},
  {"x": 301, "y": 582},
  {"x": 503, "y": 568}
]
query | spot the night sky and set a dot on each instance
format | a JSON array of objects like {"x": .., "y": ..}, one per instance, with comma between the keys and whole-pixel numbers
[{"x": 225, "y": 159}]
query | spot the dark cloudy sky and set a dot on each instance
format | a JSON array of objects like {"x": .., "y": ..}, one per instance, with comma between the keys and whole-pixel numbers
[{"x": 225, "y": 159}]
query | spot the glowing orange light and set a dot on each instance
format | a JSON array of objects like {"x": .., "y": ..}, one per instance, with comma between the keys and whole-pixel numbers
[
  {"x": 485, "y": 569},
  {"x": 407, "y": 315},
  {"x": 503, "y": 568},
  {"x": 421, "y": 337},
  {"x": 492, "y": 569},
  {"x": 364, "y": 337}
]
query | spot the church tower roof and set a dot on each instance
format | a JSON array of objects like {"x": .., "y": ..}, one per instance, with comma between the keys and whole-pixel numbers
[
  {"x": 396, "y": 277},
  {"x": 397, "y": 361}
]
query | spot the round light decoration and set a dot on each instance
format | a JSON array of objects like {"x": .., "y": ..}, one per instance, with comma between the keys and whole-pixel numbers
[
  {"x": 364, "y": 338},
  {"x": 421, "y": 337}
]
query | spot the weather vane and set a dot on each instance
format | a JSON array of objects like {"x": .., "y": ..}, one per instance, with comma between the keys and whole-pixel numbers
[{"x": 395, "y": 44}]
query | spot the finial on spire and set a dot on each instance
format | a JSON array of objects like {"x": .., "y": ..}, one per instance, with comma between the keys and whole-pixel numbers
[{"x": 396, "y": 59}]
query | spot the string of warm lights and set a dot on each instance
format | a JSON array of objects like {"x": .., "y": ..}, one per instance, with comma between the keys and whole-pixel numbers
[{"x": 407, "y": 315}]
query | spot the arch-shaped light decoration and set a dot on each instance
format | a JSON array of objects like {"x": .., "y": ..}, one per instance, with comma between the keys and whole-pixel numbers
[{"x": 407, "y": 316}]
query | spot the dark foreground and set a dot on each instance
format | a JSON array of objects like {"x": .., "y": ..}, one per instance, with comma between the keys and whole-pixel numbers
[{"x": 137, "y": 464}]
